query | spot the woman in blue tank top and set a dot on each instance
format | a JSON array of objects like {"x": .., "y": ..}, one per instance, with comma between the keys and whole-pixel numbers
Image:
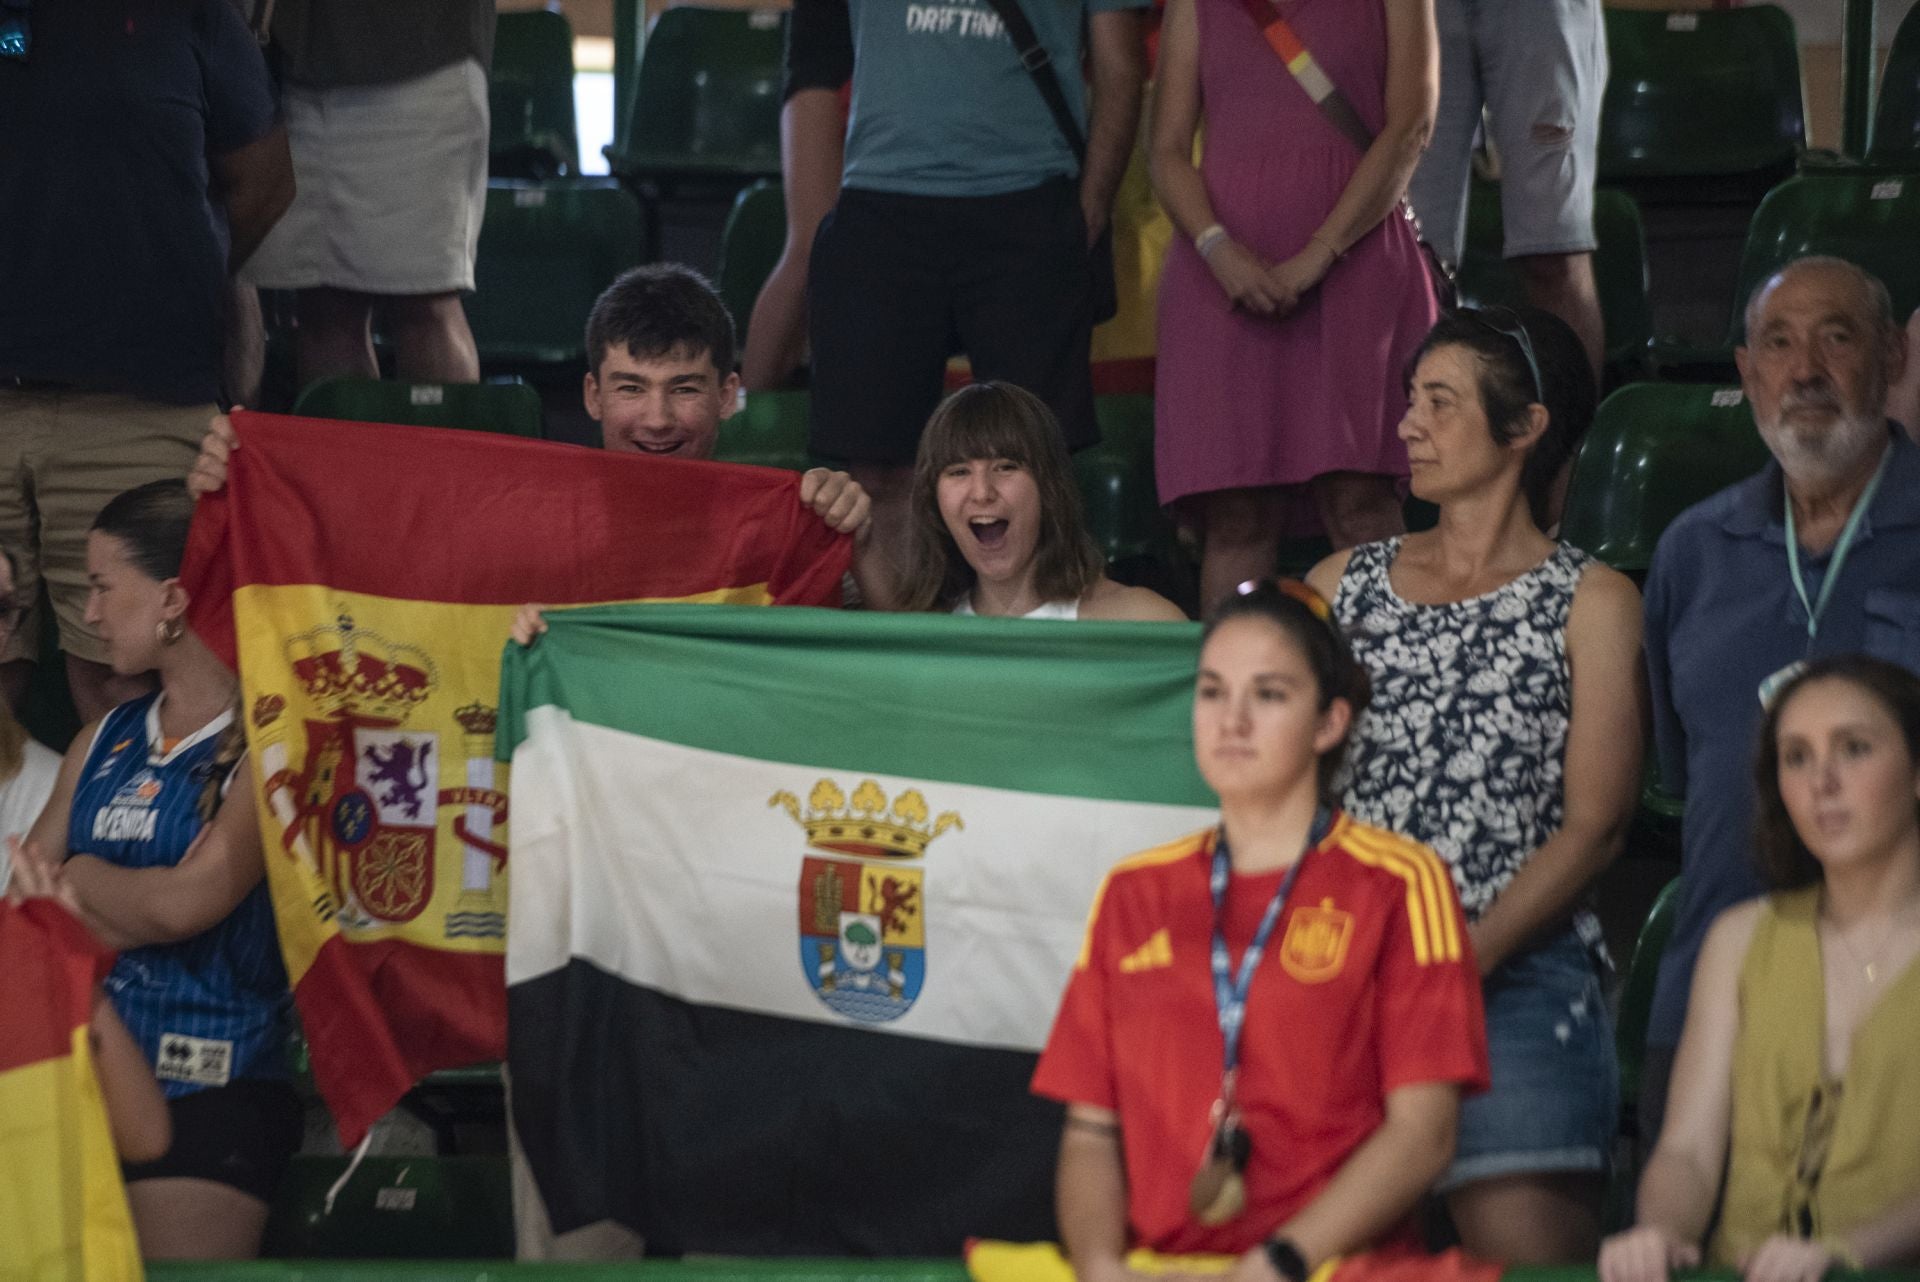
[{"x": 165, "y": 862}]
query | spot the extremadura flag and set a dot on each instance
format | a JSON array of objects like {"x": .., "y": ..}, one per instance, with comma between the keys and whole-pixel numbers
[
  {"x": 796, "y": 894},
  {"x": 363, "y": 577}
]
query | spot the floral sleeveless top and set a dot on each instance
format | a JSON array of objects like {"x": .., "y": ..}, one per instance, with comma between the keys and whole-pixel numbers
[{"x": 1464, "y": 745}]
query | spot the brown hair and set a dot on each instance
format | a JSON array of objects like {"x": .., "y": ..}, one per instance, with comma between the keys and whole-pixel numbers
[
  {"x": 1785, "y": 861},
  {"x": 227, "y": 751},
  {"x": 989, "y": 421}
]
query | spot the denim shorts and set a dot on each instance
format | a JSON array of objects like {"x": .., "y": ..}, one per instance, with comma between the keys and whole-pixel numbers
[{"x": 1555, "y": 1101}]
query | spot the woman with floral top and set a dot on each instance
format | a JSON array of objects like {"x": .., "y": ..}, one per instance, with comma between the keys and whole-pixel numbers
[{"x": 1506, "y": 733}]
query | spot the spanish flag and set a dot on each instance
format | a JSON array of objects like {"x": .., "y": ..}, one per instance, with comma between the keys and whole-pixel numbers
[
  {"x": 63, "y": 1210},
  {"x": 362, "y": 578}
]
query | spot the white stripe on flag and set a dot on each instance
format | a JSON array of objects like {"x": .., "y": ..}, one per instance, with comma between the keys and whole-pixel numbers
[{"x": 666, "y": 865}]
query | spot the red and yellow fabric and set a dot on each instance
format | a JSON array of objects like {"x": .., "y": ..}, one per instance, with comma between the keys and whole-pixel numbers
[
  {"x": 63, "y": 1209},
  {"x": 362, "y": 579},
  {"x": 989, "y": 1261},
  {"x": 1368, "y": 985}
]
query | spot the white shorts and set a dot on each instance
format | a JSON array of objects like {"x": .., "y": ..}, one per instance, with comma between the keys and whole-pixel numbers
[
  {"x": 391, "y": 186},
  {"x": 1539, "y": 67}
]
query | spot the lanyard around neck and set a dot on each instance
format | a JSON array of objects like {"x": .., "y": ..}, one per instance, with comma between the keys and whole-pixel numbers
[
  {"x": 1848, "y": 533},
  {"x": 1230, "y": 990}
]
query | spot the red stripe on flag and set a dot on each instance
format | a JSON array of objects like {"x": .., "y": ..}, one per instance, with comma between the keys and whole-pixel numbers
[
  {"x": 49, "y": 964},
  {"x": 451, "y": 1009},
  {"x": 435, "y": 514}
]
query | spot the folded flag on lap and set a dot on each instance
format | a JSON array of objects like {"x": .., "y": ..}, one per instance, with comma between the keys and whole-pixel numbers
[
  {"x": 796, "y": 895},
  {"x": 362, "y": 578}
]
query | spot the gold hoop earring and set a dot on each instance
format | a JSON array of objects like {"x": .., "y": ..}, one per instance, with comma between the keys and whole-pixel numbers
[{"x": 170, "y": 631}]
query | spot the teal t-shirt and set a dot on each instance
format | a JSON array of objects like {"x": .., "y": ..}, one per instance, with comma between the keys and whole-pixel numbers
[{"x": 942, "y": 106}]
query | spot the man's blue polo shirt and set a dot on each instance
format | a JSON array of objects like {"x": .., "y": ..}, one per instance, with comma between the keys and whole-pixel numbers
[{"x": 1722, "y": 615}]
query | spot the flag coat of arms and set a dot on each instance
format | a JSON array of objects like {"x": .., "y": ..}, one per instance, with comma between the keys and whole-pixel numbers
[
  {"x": 796, "y": 896},
  {"x": 362, "y": 579},
  {"x": 63, "y": 1209}
]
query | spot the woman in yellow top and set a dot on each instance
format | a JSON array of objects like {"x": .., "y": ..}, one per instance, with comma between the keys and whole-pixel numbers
[{"x": 1800, "y": 1065}]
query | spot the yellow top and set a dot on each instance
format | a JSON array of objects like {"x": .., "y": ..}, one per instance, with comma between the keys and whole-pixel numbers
[{"x": 1814, "y": 1155}]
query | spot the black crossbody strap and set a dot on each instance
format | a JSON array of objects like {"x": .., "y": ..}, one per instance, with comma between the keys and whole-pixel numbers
[{"x": 1039, "y": 64}]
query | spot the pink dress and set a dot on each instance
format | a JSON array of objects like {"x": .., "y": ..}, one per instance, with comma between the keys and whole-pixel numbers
[{"x": 1242, "y": 401}]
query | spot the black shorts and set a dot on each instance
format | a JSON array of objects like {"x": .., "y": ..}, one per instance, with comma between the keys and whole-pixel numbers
[
  {"x": 894, "y": 277},
  {"x": 241, "y": 1134}
]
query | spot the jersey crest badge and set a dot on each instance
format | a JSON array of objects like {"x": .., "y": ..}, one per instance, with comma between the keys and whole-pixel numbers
[{"x": 1315, "y": 948}]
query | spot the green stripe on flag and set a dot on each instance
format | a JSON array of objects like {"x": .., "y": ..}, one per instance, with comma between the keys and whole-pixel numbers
[{"x": 1072, "y": 709}]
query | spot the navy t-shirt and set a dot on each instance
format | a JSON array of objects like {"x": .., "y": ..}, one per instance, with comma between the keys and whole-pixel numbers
[{"x": 112, "y": 257}]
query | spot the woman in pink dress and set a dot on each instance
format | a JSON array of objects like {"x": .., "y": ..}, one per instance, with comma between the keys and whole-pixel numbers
[{"x": 1298, "y": 290}]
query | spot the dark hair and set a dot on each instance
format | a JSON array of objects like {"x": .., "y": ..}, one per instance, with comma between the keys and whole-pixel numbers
[
  {"x": 988, "y": 421},
  {"x": 1307, "y": 620},
  {"x": 152, "y": 521},
  {"x": 1506, "y": 385},
  {"x": 659, "y": 309},
  {"x": 1785, "y": 861}
]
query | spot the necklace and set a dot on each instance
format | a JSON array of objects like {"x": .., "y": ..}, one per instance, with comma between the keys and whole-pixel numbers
[{"x": 1870, "y": 968}]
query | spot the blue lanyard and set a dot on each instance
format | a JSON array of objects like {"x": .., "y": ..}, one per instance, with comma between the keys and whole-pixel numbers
[
  {"x": 1848, "y": 532},
  {"x": 1229, "y": 990}
]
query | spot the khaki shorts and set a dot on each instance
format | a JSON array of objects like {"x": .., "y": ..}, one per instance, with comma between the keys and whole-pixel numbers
[{"x": 63, "y": 456}]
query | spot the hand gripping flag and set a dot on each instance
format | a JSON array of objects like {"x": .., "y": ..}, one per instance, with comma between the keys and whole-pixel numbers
[{"x": 362, "y": 578}]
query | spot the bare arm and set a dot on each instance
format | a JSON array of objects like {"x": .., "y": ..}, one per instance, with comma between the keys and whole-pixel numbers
[
  {"x": 130, "y": 907},
  {"x": 256, "y": 186},
  {"x": 1116, "y": 601},
  {"x": 136, "y": 1110},
  {"x": 812, "y": 137},
  {"x": 1602, "y": 776},
  {"x": 1890, "y": 1240},
  {"x": 1324, "y": 578},
  {"x": 1117, "y": 70},
  {"x": 1090, "y": 1194},
  {"x": 1681, "y": 1183}
]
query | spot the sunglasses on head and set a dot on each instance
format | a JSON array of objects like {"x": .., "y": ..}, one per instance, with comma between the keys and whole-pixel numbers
[
  {"x": 1293, "y": 589},
  {"x": 1505, "y": 322},
  {"x": 16, "y": 32}
]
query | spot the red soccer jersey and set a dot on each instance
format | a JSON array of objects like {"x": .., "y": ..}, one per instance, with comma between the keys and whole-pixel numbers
[{"x": 1368, "y": 984}]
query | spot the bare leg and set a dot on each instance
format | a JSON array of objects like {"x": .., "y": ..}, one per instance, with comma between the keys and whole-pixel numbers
[
  {"x": 1240, "y": 539},
  {"x": 1357, "y": 507},
  {"x": 245, "y": 360},
  {"x": 186, "y": 1219},
  {"x": 1563, "y": 284},
  {"x": 431, "y": 341},
  {"x": 98, "y": 689},
  {"x": 1530, "y": 1220},
  {"x": 882, "y": 562},
  {"x": 334, "y": 337},
  {"x": 812, "y": 127}
]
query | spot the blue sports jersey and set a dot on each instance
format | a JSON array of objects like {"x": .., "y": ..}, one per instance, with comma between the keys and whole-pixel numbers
[{"x": 210, "y": 1009}]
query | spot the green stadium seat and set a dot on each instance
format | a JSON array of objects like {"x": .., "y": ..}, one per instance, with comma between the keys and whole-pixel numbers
[
  {"x": 394, "y": 1208},
  {"x": 750, "y": 245},
  {"x": 1872, "y": 219},
  {"x": 770, "y": 430},
  {"x": 547, "y": 250},
  {"x": 706, "y": 97},
  {"x": 1636, "y": 993},
  {"x": 1654, "y": 450},
  {"x": 1694, "y": 94},
  {"x": 1116, "y": 484},
  {"x": 1896, "y": 120},
  {"x": 510, "y": 408},
  {"x": 1619, "y": 265},
  {"x": 530, "y": 96}
]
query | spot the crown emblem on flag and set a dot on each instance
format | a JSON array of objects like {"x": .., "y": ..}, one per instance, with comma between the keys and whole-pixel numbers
[
  {"x": 476, "y": 718},
  {"x": 866, "y": 824},
  {"x": 267, "y": 709},
  {"x": 348, "y": 669}
]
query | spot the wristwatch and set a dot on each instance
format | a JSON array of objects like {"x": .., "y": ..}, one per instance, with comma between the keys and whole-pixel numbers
[{"x": 1286, "y": 1260}]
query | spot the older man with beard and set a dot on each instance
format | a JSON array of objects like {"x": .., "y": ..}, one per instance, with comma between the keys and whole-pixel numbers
[{"x": 1819, "y": 554}]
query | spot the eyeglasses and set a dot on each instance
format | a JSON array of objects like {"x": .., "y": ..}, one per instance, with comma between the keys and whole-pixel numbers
[
  {"x": 1503, "y": 321},
  {"x": 1294, "y": 589},
  {"x": 16, "y": 33}
]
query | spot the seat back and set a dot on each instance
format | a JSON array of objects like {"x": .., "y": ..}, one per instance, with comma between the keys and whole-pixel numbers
[
  {"x": 1636, "y": 992},
  {"x": 1116, "y": 483},
  {"x": 1654, "y": 450},
  {"x": 1619, "y": 267},
  {"x": 750, "y": 245},
  {"x": 1697, "y": 93},
  {"x": 395, "y": 1208},
  {"x": 530, "y": 96},
  {"x": 547, "y": 250},
  {"x": 770, "y": 430},
  {"x": 706, "y": 97},
  {"x": 509, "y": 407},
  {"x": 1869, "y": 219},
  {"x": 1896, "y": 120}
]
